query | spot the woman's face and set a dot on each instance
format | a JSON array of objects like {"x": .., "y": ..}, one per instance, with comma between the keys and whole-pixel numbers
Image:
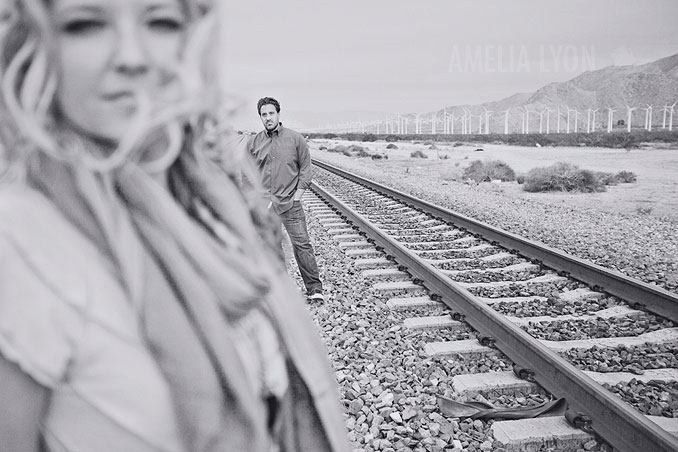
[{"x": 108, "y": 52}]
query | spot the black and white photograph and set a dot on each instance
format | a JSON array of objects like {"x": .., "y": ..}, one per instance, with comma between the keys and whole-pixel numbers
[{"x": 356, "y": 226}]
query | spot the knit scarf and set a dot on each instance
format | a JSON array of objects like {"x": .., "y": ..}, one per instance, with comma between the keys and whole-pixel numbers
[{"x": 190, "y": 287}]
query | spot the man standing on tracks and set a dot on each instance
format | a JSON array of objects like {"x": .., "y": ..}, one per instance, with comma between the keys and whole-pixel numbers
[{"x": 284, "y": 161}]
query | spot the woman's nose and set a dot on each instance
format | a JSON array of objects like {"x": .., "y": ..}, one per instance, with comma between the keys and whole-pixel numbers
[{"x": 131, "y": 55}]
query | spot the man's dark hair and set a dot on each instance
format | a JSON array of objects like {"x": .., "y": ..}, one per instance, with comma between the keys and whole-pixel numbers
[{"x": 267, "y": 101}]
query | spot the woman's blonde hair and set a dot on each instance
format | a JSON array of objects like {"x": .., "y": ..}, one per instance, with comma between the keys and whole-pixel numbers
[{"x": 28, "y": 78}]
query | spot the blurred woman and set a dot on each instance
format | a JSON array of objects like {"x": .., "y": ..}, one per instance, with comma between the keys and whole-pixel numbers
[{"x": 141, "y": 308}]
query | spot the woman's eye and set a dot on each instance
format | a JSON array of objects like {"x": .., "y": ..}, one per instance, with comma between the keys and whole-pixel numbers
[
  {"x": 82, "y": 26},
  {"x": 166, "y": 24}
]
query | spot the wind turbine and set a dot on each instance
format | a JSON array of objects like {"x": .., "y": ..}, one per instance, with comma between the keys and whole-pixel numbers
[
  {"x": 541, "y": 120},
  {"x": 648, "y": 117},
  {"x": 434, "y": 119},
  {"x": 467, "y": 121},
  {"x": 568, "y": 119},
  {"x": 629, "y": 117},
  {"x": 671, "y": 116},
  {"x": 548, "y": 119},
  {"x": 417, "y": 123},
  {"x": 588, "y": 120},
  {"x": 665, "y": 110},
  {"x": 487, "y": 121},
  {"x": 593, "y": 122},
  {"x": 558, "y": 118},
  {"x": 610, "y": 118},
  {"x": 506, "y": 116},
  {"x": 576, "y": 120},
  {"x": 527, "y": 120}
]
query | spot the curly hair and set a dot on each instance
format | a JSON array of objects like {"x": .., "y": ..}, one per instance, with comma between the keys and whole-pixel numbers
[{"x": 28, "y": 104}]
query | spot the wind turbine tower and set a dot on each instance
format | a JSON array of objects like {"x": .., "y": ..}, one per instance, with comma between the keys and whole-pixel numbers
[
  {"x": 629, "y": 117},
  {"x": 487, "y": 121},
  {"x": 610, "y": 118},
  {"x": 506, "y": 116},
  {"x": 527, "y": 120},
  {"x": 665, "y": 110},
  {"x": 567, "y": 130},
  {"x": 467, "y": 121},
  {"x": 671, "y": 116},
  {"x": 558, "y": 122},
  {"x": 593, "y": 122},
  {"x": 548, "y": 119},
  {"x": 541, "y": 120},
  {"x": 648, "y": 117},
  {"x": 576, "y": 120}
]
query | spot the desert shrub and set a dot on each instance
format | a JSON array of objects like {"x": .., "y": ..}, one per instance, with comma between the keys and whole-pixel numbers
[
  {"x": 480, "y": 171},
  {"x": 520, "y": 179},
  {"x": 457, "y": 144},
  {"x": 391, "y": 138},
  {"x": 444, "y": 157},
  {"x": 379, "y": 156},
  {"x": 418, "y": 155},
  {"x": 340, "y": 149},
  {"x": 644, "y": 210},
  {"x": 625, "y": 177},
  {"x": 428, "y": 143},
  {"x": 391, "y": 146},
  {"x": 323, "y": 148},
  {"x": 361, "y": 151},
  {"x": 350, "y": 150},
  {"x": 369, "y": 137},
  {"x": 606, "y": 178},
  {"x": 562, "y": 177},
  {"x": 330, "y": 136},
  {"x": 479, "y": 150},
  {"x": 433, "y": 147}
]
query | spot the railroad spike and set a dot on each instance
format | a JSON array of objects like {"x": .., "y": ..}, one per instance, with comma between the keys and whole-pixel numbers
[
  {"x": 579, "y": 420},
  {"x": 486, "y": 341},
  {"x": 523, "y": 373}
]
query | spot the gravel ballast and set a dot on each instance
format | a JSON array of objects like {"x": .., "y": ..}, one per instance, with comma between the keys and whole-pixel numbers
[{"x": 641, "y": 246}]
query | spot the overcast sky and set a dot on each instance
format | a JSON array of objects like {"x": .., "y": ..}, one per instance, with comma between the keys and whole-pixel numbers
[{"x": 399, "y": 56}]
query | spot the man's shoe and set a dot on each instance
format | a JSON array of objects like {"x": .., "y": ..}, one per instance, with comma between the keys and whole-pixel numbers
[{"x": 316, "y": 295}]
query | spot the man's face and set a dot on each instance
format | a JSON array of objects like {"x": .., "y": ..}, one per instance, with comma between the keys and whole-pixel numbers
[{"x": 269, "y": 117}]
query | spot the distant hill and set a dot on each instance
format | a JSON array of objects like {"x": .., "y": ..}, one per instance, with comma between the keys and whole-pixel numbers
[{"x": 654, "y": 83}]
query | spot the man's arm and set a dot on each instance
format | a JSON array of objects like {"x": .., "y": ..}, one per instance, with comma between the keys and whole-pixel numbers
[{"x": 304, "y": 168}]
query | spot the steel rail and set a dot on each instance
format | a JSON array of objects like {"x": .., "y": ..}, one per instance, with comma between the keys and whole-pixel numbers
[
  {"x": 639, "y": 294},
  {"x": 620, "y": 425}
]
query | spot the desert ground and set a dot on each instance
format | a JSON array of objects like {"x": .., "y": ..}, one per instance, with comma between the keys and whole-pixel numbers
[{"x": 654, "y": 193}]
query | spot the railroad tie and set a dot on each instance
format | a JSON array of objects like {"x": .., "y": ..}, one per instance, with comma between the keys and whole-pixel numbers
[
  {"x": 668, "y": 336},
  {"x": 412, "y": 302}
]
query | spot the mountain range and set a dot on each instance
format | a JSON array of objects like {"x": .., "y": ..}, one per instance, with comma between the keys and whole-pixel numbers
[{"x": 654, "y": 83}]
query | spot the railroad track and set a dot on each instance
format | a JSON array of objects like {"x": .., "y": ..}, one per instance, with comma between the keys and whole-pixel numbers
[{"x": 510, "y": 291}]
